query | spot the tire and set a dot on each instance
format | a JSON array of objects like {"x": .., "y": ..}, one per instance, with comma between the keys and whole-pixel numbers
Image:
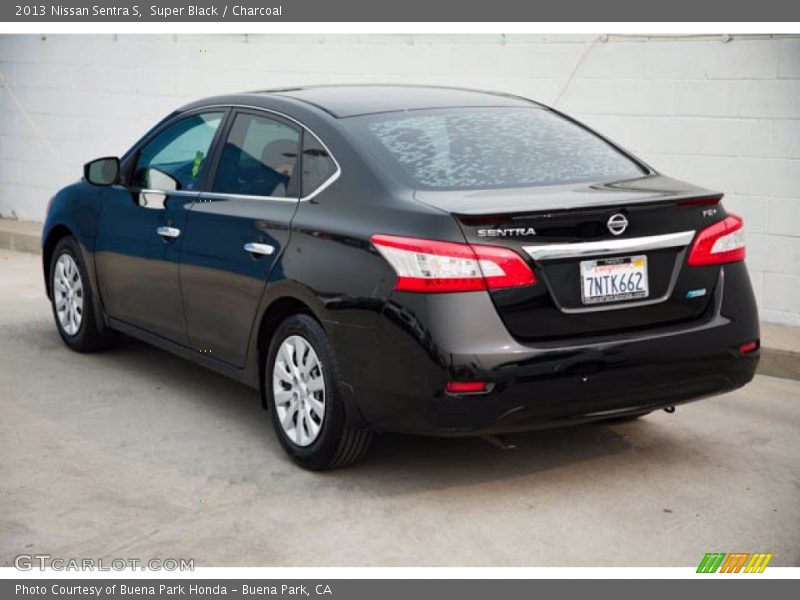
[
  {"x": 304, "y": 393},
  {"x": 71, "y": 293}
]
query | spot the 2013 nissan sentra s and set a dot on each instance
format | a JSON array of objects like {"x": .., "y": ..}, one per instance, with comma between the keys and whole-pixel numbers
[{"x": 408, "y": 259}]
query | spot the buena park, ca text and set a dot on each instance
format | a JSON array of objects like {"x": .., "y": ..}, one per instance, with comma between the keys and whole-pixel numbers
[{"x": 215, "y": 590}]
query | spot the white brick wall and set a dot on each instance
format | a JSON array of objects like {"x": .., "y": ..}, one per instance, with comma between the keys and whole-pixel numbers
[{"x": 721, "y": 114}]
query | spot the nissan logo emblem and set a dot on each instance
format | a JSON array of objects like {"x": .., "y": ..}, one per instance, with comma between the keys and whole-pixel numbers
[{"x": 617, "y": 224}]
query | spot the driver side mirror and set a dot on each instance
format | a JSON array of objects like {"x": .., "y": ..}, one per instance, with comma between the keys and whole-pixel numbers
[{"x": 102, "y": 171}]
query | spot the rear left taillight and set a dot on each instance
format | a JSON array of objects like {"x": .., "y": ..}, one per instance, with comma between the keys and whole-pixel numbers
[
  {"x": 722, "y": 242},
  {"x": 433, "y": 267}
]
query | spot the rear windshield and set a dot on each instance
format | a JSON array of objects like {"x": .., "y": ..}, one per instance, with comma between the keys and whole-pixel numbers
[{"x": 478, "y": 148}]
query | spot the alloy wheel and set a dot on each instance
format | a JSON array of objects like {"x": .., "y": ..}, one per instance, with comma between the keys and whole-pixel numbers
[
  {"x": 298, "y": 386},
  {"x": 68, "y": 294}
]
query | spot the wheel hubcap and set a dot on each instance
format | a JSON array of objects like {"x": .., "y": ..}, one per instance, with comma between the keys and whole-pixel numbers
[
  {"x": 68, "y": 294},
  {"x": 298, "y": 386}
]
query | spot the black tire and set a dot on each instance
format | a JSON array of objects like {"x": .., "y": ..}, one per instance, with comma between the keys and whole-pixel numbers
[
  {"x": 88, "y": 337},
  {"x": 337, "y": 444}
]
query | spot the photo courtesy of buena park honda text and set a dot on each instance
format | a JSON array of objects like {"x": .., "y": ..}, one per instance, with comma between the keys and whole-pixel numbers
[{"x": 355, "y": 300}]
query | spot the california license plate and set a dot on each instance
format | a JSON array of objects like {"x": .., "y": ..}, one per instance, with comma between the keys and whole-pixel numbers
[{"x": 614, "y": 279}]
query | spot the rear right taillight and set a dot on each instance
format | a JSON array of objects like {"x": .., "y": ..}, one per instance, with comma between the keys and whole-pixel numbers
[
  {"x": 722, "y": 242},
  {"x": 432, "y": 266}
]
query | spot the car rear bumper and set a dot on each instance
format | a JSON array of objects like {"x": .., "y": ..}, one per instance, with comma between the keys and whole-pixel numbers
[
  {"x": 530, "y": 398},
  {"x": 423, "y": 341}
]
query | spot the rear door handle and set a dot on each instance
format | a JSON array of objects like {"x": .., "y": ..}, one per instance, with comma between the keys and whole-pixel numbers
[
  {"x": 256, "y": 248},
  {"x": 168, "y": 232}
]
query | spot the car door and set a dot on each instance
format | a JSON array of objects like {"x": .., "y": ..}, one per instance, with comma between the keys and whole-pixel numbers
[
  {"x": 237, "y": 231},
  {"x": 142, "y": 222}
]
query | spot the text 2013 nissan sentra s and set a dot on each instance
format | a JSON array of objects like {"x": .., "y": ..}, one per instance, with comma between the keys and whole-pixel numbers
[{"x": 409, "y": 259}]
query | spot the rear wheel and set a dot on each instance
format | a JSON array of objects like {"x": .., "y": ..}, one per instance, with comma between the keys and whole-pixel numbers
[
  {"x": 71, "y": 298},
  {"x": 301, "y": 380}
]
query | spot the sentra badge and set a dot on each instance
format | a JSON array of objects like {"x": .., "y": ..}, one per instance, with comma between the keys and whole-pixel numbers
[{"x": 508, "y": 232}]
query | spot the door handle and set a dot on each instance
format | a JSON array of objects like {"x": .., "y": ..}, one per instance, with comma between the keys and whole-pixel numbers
[
  {"x": 256, "y": 248},
  {"x": 168, "y": 232}
]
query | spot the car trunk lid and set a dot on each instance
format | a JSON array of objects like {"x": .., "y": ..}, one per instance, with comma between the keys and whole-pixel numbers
[{"x": 589, "y": 243}]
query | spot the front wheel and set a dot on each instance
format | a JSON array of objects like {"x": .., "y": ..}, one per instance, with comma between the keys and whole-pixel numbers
[
  {"x": 72, "y": 301},
  {"x": 301, "y": 380}
]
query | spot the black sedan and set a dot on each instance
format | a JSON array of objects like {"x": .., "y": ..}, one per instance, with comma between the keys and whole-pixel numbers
[{"x": 409, "y": 259}]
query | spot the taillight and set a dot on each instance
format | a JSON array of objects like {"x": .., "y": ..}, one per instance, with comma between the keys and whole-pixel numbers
[
  {"x": 722, "y": 242},
  {"x": 433, "y": 266}
]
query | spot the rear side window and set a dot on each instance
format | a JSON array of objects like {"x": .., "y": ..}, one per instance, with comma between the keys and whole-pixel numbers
[
  {"x": 318, "y": 166},
  {"x": 471, "y": 148},
  {"x": 176, "y": 158},
  {"x": 259, "y": 158}
]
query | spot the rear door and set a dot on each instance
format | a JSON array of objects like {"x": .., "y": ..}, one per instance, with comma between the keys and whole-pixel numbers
[
  {"x": 142, "y": 224},
  {"x": 237, "y": 231}
]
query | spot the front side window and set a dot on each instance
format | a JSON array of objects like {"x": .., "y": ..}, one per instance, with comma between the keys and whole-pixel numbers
[
  {"x": 475, "y": 148},
  {"x": 318, "y": 166},
  {"x": 259, "y": 158},
  {"x": 176, "y": 158}
]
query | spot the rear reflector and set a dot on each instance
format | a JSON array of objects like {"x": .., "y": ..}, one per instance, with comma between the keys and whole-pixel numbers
[
  {"x": 722, "y": 242},
  {"x": 432, "y": 266},
  {"x": 465, "y": 387},
  {"x": 748, "y": 347}
]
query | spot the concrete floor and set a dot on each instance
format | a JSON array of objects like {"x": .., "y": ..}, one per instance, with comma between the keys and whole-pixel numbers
[{"x": 134, "y": 453}]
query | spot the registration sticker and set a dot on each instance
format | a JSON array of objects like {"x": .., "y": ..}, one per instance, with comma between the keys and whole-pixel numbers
[{"x": 614, "y": 279}]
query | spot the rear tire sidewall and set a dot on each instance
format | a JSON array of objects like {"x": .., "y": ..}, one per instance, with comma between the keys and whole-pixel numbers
[{"x": 320, "y": 453}]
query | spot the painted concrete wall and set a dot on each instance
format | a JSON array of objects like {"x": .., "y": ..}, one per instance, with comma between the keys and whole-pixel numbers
[{"x": 724, "y": 114}]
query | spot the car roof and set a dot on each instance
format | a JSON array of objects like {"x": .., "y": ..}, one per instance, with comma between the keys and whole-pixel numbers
[{"x": 351, "y": 100}]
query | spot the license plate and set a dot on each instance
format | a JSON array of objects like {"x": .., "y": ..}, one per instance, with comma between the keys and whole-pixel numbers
[{"x": 614, "y": 279}]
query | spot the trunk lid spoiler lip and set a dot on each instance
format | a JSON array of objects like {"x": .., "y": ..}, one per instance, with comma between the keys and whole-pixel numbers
[{"x": 646, "y": 190}]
